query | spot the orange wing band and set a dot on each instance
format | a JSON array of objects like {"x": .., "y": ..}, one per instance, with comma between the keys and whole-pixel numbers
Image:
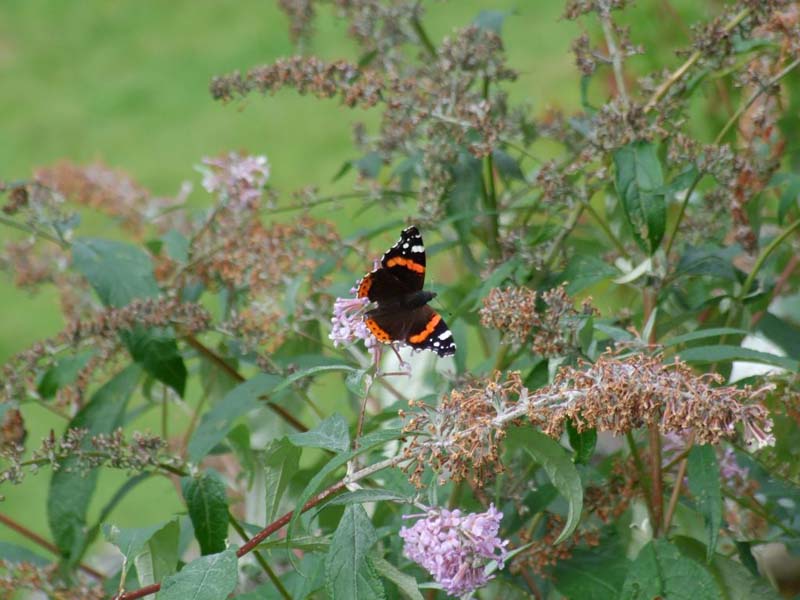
[
  {"x": 363, "y": 287},
  {"x": 380, "y": 334},
  {"x": 405, "y": 262},
  {"x": 425, "y": 333}
]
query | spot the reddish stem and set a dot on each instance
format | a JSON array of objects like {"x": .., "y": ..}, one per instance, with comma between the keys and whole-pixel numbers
[
  {"x": 236, "y": 376},
  {"x": 35, "y": 537},
  {"x": 252, "y": 543}
]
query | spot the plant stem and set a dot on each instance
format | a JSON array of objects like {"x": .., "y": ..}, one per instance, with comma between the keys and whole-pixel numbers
[
  {"x": 33, "y": 230},
  {"x": 637, "y": 462},
  {"x": 416, "y": 25},
  {"x": 616, "y": 56},
  {"x": 674, "y": 231},
  {"x": 676, "y": 491},
  {"x": 236, "y": 376},
  {"x": 742, "y": 108},
  {"x": 261, "y": 560},
  {"x": 693, "y": 58},
  {"x": 748, "y": 283},
  {"x": 49, "y": 546},
  {"x": 606, "y": 229}
]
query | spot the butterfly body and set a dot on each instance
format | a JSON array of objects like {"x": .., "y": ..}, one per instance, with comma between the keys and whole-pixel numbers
[{"x": 402, "y": 313}]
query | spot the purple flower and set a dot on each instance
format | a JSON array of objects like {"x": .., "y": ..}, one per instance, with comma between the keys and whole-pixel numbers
[
  {"x": 240, "y": 179},
  {"x": 455, "y": 549},
  {"x": 347, "y": 323}
]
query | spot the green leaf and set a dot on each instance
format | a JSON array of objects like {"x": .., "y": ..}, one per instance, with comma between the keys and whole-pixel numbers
[
  {"x": 70, "y": 492},
  {"x": 565, "y": 477},
  {"x": 583, "y": 443},
  {"x": 782, "y": 332},
  {"x": 16, "y": 554},
  {"x": 332, "y": 434},
  {"x": 208, "y": 509},
  {"x": 584, "y": 270},
  {"x": 789, "y": 198},
  {"x": 701, "y": 334},
  {"x": 281, "y": 463},
  {"x": 369, "y": 165},
  {"x": 176, "y": 245},
  {"x": 638, "y": 181},
  {"x": 210, "y": 577},
  {"x": 704, "y": 483},
  {"x": 130, "y": 541},
  {"x": 733, "y": 580},
  {"x": 63, "y": 373},
  {"x": 407, "y": 584},
  {"x": 159, "y": 556},
  {"x": 366, "y": 443},
  {"x": 709, "y": 260},
  {"x": 367, "y": 495},
  {"x": 726, "y": 353},
  {"x": 661, "y": 570},
  {"x": 119, "y": 274},
  {"x": 217, "y": 422},
  {"x": 507, "y": 166},
  {"x": 348, "y": 575},
  {"x": 593, "y": 574}
]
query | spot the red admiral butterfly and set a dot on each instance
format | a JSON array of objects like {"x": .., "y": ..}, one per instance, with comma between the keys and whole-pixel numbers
[{"x": 402, "y": 313}]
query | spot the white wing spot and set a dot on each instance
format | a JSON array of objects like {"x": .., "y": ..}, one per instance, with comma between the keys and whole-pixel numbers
[
  {"x": 405, "y": 245},
  {"x": 418, "y": 249},
  {"x": 445, "y": 335}
]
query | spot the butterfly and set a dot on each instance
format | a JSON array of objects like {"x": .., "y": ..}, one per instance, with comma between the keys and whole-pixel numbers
[{"x": 402, "y": 313}]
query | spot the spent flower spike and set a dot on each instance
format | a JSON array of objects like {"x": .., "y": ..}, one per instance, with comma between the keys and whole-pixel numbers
[{"x": 454, "y": 548}]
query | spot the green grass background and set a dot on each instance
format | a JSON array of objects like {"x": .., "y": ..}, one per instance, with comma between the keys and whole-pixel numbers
[{"x": 126, "y": 82}]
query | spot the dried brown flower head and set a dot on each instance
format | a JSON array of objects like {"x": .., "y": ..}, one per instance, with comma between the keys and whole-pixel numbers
[
  {"x": 622, "y": 394},
  {"x": 459, "y": 438},
  {"x": 550, "y": 322}
]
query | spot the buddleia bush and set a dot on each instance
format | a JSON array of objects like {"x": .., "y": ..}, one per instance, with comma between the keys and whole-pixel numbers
[{"x": 604, "y": 272}]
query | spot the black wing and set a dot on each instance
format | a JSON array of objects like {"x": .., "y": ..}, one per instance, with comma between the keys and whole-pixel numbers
[
  {"x": 402, "y": 270},
  {"x": 422, "y": 328}
]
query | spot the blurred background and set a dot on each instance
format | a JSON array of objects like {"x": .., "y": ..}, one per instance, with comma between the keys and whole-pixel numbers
[{"x": 126, "y": 83}]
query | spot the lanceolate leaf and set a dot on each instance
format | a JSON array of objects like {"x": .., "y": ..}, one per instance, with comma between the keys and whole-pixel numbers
[
  {"x": 559, "y": 468},
  {"x": 332, "y": 434},
  {"x": 639, "y": 180},
  {"x": 704, "y": 483},
  {"x": 71, "y": 491},
  {"x": 280, "y": 465},
  {"x": 208, "y": 509},
  {"x": 119, "y": 274},
  {"x": 211, "y": 577},
  {"x": 159, "y": 556},
  {"x": 217, "y": 422},
  {"x": 725, "y": 353},
  {"x": 348, "y": 573}
]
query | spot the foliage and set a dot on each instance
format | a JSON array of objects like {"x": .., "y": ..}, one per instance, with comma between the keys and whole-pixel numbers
[{"x": 575, "y": 446}]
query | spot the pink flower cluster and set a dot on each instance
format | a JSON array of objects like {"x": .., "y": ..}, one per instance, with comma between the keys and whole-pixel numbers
[
  {"x": 240, "y": 179},
  {"x": 347, "y": 323},
  {"x": 456, "y": 548}
]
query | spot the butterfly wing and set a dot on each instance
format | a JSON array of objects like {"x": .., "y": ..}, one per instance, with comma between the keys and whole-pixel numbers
[
  {"x": 422, "y": 328},
  {"x": 402, "y": 270},
  {"x": 406, "y": 259}
]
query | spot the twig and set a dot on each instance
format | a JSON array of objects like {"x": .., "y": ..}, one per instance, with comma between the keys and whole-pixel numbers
[
  {"x": 235, "y": 375},
  {"x": 693, "y": 58},
  {"x": 261, "y": 560},
  {"x": 35, "y": 537},
  {"x": 253, "y": 542},
  {"x": 616, "y": 56},
  {"x": 676, "y": 491}
]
